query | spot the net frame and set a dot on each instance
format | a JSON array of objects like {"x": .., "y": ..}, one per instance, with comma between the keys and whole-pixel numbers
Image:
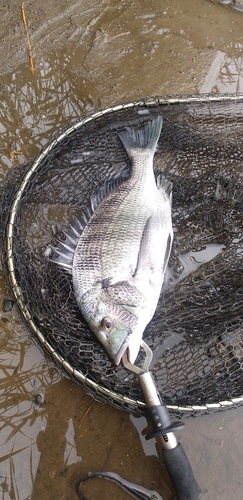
[{"x": 96, "y": 389}]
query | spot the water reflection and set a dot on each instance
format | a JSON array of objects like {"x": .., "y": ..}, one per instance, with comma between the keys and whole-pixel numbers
[
  {"x": 32, "y": 110},
  {"x": 230, "y": 76},
  {"x": 82, "y": 436},
  {"x": 24, "y": 375}
]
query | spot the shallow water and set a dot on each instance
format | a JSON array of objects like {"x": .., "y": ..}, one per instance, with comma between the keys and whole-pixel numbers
[{"x": 87, "y": 57}]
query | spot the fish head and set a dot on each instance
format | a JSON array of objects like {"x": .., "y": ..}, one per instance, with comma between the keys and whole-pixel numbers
[
  {"x": 116, "y": 323},
  {"x": 113, "y": 334},
  {"x": 113, "y": 328}
]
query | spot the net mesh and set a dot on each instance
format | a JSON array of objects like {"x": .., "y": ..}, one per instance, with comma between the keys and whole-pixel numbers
[{"x": 197, "y": 331}]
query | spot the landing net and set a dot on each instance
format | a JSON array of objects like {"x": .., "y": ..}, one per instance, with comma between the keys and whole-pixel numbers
[{"x": 197, "y": 332}]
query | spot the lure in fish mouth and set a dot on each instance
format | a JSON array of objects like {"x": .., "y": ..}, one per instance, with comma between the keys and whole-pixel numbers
[{"x": 118, "y": 250}]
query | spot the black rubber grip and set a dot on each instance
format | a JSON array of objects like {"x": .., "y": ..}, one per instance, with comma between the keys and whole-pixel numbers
[{"x": 181, "y": 474}]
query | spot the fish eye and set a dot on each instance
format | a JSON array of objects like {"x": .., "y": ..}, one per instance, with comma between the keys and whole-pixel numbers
[{"x": 107, "y": 324}]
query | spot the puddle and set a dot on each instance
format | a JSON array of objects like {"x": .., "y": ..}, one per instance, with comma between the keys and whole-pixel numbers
[
  {"x": 225, "y": 74},
  {"x": 33, "y": 110},
  {"x": 230, "y": 75},
  {"x": 52, "y": 433}
]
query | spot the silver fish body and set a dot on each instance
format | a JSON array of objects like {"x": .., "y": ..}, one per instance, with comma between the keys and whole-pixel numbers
[{"x": 121, "y": 255}]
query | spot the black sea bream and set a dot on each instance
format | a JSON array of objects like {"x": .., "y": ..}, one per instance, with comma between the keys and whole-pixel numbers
[{"x": 118, "y": 252}]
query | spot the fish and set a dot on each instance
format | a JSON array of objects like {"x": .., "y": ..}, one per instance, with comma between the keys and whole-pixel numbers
[{"x": 118, "y": 249}]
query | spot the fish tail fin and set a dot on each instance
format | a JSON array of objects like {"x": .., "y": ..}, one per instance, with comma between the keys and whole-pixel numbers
[{"x": 146, "y": 138}]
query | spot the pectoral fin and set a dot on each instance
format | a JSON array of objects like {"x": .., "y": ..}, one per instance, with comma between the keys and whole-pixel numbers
[
  {"x": 143, "y": 261},
  {"x": 167, "y": 252},
  {"x": 152, "y": 259}
]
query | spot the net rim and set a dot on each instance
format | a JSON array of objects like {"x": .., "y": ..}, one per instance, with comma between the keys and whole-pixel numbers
[{"x": 78, "y": 375}]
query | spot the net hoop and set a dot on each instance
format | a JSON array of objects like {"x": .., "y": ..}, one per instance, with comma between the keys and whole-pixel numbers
[{"x": 75, "y": 374}]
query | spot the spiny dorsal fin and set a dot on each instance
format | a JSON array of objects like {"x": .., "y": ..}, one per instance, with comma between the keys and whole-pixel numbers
[
  {"x": 62, "y": 252},
  {"x": 105, "y": 190}
]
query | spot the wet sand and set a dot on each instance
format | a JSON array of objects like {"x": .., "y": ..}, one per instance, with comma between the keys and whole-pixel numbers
[{"x": 86, "y": 57}]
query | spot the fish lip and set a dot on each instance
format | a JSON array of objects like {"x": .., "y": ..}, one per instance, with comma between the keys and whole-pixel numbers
[{"x": 117, "y": 358}]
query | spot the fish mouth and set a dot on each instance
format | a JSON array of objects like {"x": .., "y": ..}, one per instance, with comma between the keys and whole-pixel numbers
[
  {"x": 117, "y": 358},
  {"x": 129, "y": 349}
]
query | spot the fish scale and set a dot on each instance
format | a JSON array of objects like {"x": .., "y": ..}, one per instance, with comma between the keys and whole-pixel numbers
[{"x": 119, "y": 250}]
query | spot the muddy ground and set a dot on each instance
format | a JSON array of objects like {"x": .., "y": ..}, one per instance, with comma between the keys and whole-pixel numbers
[{"x": 89, "y": 55}]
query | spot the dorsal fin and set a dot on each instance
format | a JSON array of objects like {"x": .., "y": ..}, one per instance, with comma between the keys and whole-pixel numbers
[
  {"x": 62, "y": 251},
  {"x": 105, "y": 190}
]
